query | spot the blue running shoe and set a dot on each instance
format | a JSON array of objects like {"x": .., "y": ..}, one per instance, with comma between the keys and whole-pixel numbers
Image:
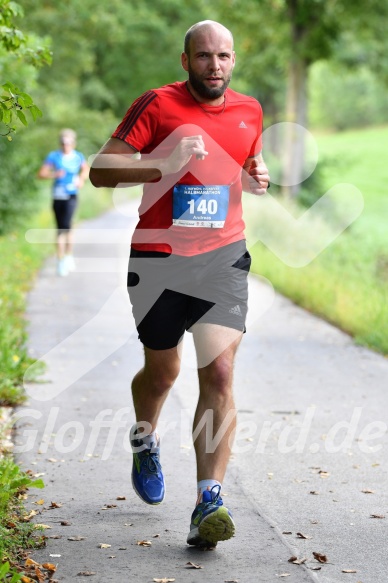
[
  {"x": 147, "y": 476},
  {"x": 211, "y": 521}
]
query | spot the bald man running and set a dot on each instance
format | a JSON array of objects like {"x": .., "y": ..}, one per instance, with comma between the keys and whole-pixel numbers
[{"x": 200, "y": 146}]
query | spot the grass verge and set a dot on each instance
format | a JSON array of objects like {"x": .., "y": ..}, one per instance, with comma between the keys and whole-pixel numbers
[
  {"x": 18, "y": 268},
  {"x": 17, "y": 534},
  {"x": 346, "y": 283}
]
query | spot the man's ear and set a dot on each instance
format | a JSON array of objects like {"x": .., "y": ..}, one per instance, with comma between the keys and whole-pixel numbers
[{"x": 185, "y": 61}]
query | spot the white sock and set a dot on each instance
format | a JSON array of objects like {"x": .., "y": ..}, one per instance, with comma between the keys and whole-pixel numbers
[
  {"x": 206, "y": 485},
  {"x": 150, "y": 440}
]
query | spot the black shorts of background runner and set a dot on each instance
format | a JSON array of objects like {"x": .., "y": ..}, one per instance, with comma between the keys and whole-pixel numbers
[
  {"x": 64, "y": 211},
  {"x": 169, "y": 294}
]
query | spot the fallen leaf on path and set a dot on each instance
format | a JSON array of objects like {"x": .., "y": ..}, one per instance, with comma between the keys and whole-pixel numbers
[
  {"x": 315, "y": 568},
  {"x": 284, "y": 575},
  {"x": 86, "y": 573},
  {"x": 323, "y": 474},
  {"x": 52, "y": 460},
  {"x": 49, "y": 566},
  {"x": 165, "y": 580},
  {"x": 30, "y": 515},
  {"x": 286, "y": 532},
  {"x": 367, "y": 491},
  {"x": 128, "y": 524},
  {"x": 377, "y": 516},
  {"x": 304, "y": 536},
  {"x": 55, "y": 505},
  {"x": 121, "y": 498},
  {"x": 39, "y": 575},
  {"x": 39, "y": 502},
  {"x": 29, "y": 562},
  {"x": 191, "y": 565},
  {"x": 349, "y": 571},
  {"x": 104, "y": 546},
  {"x": 44, "y": 526},
  {"x": 156, "y": 536},
  {"x": 75, "y": 538},
  {"x": 65, "y": 523},
  {"x": 144, "y": 543},
  {"x": 314, "y": 492},
  {"x": 296, "y": 561},
  {"x": 320, "y": 558},
  {"x": 55, "y": 536}
]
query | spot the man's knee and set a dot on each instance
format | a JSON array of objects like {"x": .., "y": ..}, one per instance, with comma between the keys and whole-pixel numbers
[
  {"x": 162, "y": 372},
  {"x": 218, "y": 375}
]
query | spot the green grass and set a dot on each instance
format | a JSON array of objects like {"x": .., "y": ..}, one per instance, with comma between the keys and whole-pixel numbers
[
  {"x": 347, "y": 284},
  {"x": 20, "y": 262},
  {"x": 16, "y": 533},
  {"x": 18, "y": 268}
]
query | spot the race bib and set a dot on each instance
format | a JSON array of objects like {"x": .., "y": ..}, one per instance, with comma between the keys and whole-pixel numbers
[{"x": 195, "y": 205}]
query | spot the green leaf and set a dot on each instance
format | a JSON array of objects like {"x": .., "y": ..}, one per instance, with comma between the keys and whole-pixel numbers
[
  {"x": 22, "y": 117},
  {"x": 7, "y": 115},
  {"x": 15, "y": 9},
  {"x": 27, "y": 99},
  {"x": 10, "y": 87},
  {"x": 37, "y": 484},
  {"x": 4, "y": 569},
  {"x": 16, "y": 578},
  {"x": 35, "y": 112}
]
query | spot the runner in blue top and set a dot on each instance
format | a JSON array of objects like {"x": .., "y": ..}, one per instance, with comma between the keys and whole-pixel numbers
[{"x": 69, "y": 169}]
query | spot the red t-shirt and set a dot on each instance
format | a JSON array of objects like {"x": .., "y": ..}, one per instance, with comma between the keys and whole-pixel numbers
[{"x": 231, "y": 132}]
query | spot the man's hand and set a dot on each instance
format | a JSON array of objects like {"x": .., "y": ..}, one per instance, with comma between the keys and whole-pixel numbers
[
  {"x": 181, "y": 155},
  {"x": 258, "y": 177}
]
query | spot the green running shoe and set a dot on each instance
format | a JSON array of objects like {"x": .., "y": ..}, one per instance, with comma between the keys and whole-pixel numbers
[{"x": 211, "y": 521}]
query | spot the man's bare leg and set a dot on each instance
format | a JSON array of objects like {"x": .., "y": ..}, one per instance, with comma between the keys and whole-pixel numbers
[
  {"x": 213, "y": 431},
  {"x": 215, "y": 401},
  {"x": 153, "y": 382},
  {"x": 150, "y": 388}
]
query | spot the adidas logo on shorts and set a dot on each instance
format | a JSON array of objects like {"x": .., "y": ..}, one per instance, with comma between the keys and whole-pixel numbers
[{"x": 236, "y": 311}]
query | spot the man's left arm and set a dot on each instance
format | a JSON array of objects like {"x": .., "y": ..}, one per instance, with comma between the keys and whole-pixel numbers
[{"x": 255, "y": 177}]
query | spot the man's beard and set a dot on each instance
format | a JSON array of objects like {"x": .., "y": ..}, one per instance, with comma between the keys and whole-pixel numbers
[{"x": 207, "y": 92}]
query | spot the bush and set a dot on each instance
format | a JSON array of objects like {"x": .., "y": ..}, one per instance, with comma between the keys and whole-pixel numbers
[{"x": 19, "y": 194}]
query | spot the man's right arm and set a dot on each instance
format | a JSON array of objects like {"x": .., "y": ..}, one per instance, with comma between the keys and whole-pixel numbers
[{"x": 115, "y": 163}]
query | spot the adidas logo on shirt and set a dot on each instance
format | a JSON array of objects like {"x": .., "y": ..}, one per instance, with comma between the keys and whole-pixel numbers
[
  {"x": 236, "y": 311},
  {"x": 242, "y": 125}
]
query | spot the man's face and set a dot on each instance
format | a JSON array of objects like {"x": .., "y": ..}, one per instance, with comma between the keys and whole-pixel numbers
[{"x": 210, "y": 63}]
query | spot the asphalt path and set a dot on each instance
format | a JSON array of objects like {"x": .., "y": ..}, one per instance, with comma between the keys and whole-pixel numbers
[{"x": 308, "y": 472}]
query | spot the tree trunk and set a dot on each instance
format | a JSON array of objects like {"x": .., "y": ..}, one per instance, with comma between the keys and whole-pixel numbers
[{"x": 296, "y": 108}]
